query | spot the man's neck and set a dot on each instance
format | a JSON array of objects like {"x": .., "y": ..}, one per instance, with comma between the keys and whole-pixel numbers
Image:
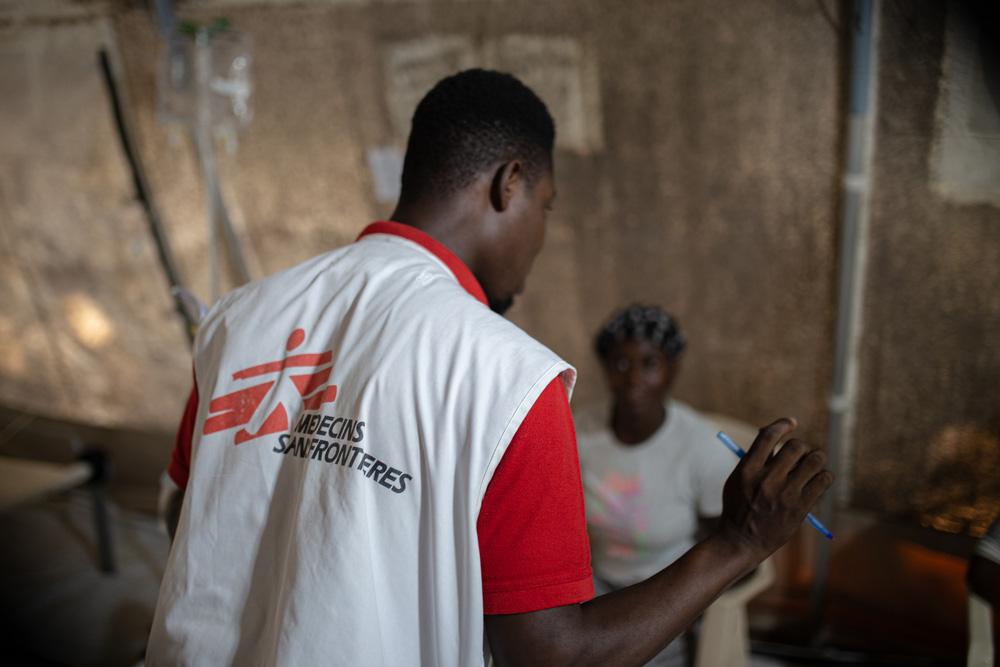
[{"x": 453, "y": 223}]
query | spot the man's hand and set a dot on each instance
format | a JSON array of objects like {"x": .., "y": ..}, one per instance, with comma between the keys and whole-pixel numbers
[
  {"x": 764, "y": 502},
  {"x": 768, "y": 495}
]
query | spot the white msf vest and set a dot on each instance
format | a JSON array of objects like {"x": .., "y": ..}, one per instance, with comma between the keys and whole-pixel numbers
[{"x": 353, "y": 410}]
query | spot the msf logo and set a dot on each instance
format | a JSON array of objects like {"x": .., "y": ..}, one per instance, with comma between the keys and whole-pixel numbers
[{"x": 243, "y": 407}]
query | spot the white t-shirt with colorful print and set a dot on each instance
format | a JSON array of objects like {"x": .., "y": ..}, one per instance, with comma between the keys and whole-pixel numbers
[{"x": 643, "y": 501}]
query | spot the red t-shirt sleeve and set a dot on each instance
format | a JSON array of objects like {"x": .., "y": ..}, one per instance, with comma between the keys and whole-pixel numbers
[
  {"x": 532, "y": 528},
  {"x": 180, "y": 459}
]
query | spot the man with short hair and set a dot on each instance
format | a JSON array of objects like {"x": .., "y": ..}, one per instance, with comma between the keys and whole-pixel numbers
[{"x": 379, "y": 469}]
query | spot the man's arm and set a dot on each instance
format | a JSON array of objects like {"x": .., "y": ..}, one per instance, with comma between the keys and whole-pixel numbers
[
  {"x": 765, "y": 500},
  {"x": 179, "y": 468},
  {"x": 173, "y": 511}
]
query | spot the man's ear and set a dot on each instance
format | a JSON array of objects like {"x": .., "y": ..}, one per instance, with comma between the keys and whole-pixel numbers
[{"x": 507, "y": 178}]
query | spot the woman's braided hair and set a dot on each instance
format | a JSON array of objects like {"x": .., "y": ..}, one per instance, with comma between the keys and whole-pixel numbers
[{"x": 639, "y": 322}]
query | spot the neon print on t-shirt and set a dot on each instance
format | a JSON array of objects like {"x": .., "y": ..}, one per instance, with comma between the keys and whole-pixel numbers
[{"x": 621, "y": 512}]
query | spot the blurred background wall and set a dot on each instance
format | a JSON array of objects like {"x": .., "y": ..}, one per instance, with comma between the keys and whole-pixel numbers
[{"x": 698, "y": 166}]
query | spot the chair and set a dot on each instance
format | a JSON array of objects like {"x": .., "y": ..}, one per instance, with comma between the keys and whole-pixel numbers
[
  {"x": 23, "y": 481},
  {"x": 724, "y": 640},
  {"x": 980, "y": 633}
]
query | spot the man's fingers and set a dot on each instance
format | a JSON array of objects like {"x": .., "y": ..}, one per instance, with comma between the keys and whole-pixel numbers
[
  {"x": 816, "y": 486},
  {"x": 767, "y": 439},
  {"x": 787, "y": 458},
  {"x": 810, "y": 463}
]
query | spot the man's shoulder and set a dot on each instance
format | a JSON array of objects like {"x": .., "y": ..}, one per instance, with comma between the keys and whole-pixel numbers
[
  {"x": 279, "y": 279},
  {"x": 441, "y": 304},
  {"x": 360, "y": 263}
]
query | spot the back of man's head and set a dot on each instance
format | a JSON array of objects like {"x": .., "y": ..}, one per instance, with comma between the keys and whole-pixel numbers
[{"x": 469, "y": 122}]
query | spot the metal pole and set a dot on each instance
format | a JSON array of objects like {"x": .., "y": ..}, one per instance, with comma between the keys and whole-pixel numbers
[
  {"x": 144, "y": 193},
  {"x": 855, "y": 214},
  {"x": 206, "y": 157},
  {"x": 218, "y": 217}
]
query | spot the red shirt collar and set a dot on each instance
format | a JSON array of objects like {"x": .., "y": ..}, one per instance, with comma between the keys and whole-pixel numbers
[{"x": 436, "y": 248}]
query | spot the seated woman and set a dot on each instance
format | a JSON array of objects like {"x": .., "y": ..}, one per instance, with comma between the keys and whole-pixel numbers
[{"x": 651, "y": 465}]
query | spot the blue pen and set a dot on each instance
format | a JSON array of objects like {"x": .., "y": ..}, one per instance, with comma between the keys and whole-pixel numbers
[{"x": 736, "y": 449}]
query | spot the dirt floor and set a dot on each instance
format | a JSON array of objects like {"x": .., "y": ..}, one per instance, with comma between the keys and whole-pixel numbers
[{"x": 58, "y": 607}]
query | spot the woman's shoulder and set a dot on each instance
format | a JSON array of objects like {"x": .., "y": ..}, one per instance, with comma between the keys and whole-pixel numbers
[
  {"x": 688, "y": 418},
  {"x": 591, "y": 423}
]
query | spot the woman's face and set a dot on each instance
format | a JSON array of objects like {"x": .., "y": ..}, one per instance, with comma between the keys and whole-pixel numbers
[{"x": 639, "y": 375}]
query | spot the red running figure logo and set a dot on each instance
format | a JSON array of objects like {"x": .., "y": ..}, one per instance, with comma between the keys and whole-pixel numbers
[{"x": 239, "y": 407}]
